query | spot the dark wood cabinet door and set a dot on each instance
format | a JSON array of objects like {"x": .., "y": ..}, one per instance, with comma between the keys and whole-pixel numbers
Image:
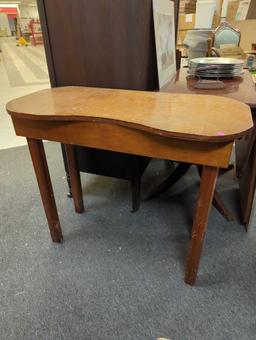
[{"x": 101, "y": 43}]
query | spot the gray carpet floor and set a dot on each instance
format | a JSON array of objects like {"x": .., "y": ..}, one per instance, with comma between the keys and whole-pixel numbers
[{"x": 119, "y": 275}]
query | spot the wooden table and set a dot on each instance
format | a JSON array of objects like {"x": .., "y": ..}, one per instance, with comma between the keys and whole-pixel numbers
[
  {"x": 244, "y": 90},
  {"x": 239, "y": 88},
  {"x": 180, "y": 127}
]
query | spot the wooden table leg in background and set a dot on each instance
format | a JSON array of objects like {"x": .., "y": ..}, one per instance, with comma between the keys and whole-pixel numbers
[
  {"x": 176, "y": 175},
  {"x": 37, "y": 153},
  {"x": 217, "y": 200},
  {"x": 75, "y": 179},
  {"x": 204, "y": 203},
  {"x": 173, "y": 178}
]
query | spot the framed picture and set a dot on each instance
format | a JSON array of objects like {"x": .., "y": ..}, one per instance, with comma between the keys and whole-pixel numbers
[{"x": 164, "y": 24}]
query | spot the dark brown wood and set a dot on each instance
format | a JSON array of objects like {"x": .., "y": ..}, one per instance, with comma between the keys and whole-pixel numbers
[
  {"x": 207, "y": 188},
  {"x": 38, "y": 157},
  {"x": 135, "y": 188},
  {"x": 176, "y": 14},
  {"x": 47, "y": 42},
  {"x": 69, "y": 194},
  {"x": 176, "y": 175},
  {"x": 239, "y": 88},
  {"x": 221, "y": 207},
  {"x": 246, "y": 171},
  {"x": 173, "y": 178},
  {"x": 90, "y": 51},
  {"x": 75, "y": 179},
  {"x": 218, "y": 202},
  {"x": 136, "y": 133},
  {"x": 244, "y": 90},
  {"x": 95, "y": 52}
]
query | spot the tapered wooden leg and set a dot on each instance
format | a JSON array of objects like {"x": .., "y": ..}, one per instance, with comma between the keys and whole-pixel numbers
[
  {"x": 75, "y": 180},
  {"x": 37, "y": 153},
  {"x": 207, "y": 188}
]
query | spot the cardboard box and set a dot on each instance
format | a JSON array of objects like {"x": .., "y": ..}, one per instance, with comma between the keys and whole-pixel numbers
[
  {"x": 232, "y": 52},
  {"x": 186, "y": 21}
]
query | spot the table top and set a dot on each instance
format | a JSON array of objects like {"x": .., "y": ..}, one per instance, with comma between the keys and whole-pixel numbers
[
  {"x": 239, "y": 88},
  {"x": 182, "y": 116}
]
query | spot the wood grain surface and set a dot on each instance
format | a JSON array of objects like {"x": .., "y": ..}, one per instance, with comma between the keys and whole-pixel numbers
[
  {"x": 238, "y": 88},
  {"x": 182, "y": 116},
  {"x": 113, "y": 137},
  {"x": 106, "y": 43}
]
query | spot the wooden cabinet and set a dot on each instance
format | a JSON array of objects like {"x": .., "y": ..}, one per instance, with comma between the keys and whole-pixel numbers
[{"x": 102, "y": 43}]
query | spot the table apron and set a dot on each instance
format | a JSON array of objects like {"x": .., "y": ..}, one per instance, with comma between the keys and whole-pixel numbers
[{"x": 129, "y": 140}]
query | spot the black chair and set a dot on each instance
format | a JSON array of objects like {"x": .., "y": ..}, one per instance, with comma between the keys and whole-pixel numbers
[{"x": 111, "y": 164}]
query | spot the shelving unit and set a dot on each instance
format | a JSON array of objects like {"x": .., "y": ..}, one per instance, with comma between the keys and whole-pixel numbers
[{"x": 36, "y": 32}]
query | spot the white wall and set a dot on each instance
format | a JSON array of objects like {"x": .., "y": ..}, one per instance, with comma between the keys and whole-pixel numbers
[
  {"x": 28, "y": 12},
  {"x": 4, "y": 23}
]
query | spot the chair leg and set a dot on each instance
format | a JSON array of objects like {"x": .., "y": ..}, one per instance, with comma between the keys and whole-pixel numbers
[
  {"x": 75, "y": 179},
  {"x": 135, "y": 189},
  {"x": 66, "y": 170}
]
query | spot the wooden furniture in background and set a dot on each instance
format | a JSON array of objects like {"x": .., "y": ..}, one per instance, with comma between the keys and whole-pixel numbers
[
  {"x": 244, "y": 90},
  {"x": 178, "y": 172},
  {"x": 240, "y": 88},
  {"x": 176, "y": 15},
  {"x": 246, "y": 172},
  {"x": 159, "y": 125}
]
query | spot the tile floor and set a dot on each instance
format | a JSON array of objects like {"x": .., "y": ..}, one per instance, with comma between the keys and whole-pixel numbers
[{"x": 22, "y": 70}]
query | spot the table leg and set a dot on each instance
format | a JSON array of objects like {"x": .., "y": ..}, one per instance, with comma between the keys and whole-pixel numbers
[
  {"x": 217, "y": 201},
  {"x": 38, "y": 157},
  {"x": 135, "y": 188},
  {"x": 175, "y": 176},
  {"x": 69, "y": 194},
  {"x": 206, "y": 192},
  {"x": 220, "y": 206},
  {"x": 75, "y": 180}
]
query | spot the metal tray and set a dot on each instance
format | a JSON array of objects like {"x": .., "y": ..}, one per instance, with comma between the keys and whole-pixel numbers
[{"x": 216, "y": 61}]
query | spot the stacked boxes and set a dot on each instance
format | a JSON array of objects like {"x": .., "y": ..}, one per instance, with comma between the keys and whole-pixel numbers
[{"x": 187, "y": 6}]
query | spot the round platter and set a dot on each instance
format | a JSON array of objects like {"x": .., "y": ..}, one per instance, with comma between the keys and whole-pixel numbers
[
  {"x": 216, "y": 61},
  {"x": 216, "y": 75},
  {"x": 215, "y": 67}
]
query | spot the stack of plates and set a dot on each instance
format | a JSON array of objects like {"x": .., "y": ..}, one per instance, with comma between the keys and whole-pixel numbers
[{"x": 215, "y": 67}]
